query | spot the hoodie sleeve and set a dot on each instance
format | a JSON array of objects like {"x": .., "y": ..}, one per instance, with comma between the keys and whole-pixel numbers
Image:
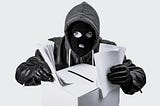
[
  {"x": 26, "y": 71},
  {"x": 137, "y": 74}
]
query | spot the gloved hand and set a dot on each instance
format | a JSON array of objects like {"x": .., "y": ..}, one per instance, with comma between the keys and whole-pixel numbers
[
  {"x": 43, "y": 72},
  {"x": 120, "y": 75},
  {"x": 33, "y": 71}
]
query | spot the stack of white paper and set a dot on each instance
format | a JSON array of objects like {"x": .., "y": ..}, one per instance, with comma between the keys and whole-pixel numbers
[
  {"x": 108, "y": 56},
  {"x": 46, "y": 49}
]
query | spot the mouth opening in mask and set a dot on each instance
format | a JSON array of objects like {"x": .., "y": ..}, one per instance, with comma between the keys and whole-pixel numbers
[{"x": 81, "y": 46}]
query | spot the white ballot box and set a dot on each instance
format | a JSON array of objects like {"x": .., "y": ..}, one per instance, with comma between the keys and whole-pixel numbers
[
  {"x": 81, "y": 89},
  {"x": 82, "y": 84}
]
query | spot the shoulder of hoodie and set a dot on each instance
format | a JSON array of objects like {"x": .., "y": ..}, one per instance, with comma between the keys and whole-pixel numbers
[
  {"x": 106, "y": 42},
  {"x": 56, "y": 40}
]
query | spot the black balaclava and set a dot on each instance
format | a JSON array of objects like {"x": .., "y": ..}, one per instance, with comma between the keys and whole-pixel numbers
[{"x": 81, "y": 37}]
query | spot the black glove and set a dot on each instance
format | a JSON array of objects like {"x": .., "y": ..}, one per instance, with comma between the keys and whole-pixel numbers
[
  {"x": 33, "y": 71},
  {"x": 43, "y": 72},
  {"x": 120, "y": 75}
]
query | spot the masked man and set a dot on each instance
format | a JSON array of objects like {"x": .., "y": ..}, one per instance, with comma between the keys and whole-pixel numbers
[{"x": 81, "y": 40}]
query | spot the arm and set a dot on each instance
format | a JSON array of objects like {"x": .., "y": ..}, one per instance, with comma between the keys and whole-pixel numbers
[
  {"x": 130, "y": 77},
  {"x": 33, "y": 71}
]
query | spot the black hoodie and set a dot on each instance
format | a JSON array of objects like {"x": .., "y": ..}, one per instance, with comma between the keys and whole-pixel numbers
[
  {"x": 83, "y": 12},
  {"x": 63, "y": 58}
]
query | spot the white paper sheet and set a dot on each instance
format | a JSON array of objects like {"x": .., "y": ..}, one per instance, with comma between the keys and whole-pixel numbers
[
  {"x": 46, "y": 49},
  {"x": 107, "y": 56}
]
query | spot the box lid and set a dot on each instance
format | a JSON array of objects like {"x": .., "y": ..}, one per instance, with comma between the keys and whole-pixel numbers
[{"x": 81, "y": 77}]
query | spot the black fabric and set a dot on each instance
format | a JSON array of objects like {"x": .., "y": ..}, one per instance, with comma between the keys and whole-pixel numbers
[
  {"x": 33, "y": 71},
  {"x": 85, "y": 13},
  {"x": 82, "y": 37},
  {"x": 25, "y": 73},
  {"x": 120, "y": 75}
]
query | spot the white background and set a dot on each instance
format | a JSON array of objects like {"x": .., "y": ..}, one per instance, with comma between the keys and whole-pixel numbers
[{"x": 134, "y": 24}]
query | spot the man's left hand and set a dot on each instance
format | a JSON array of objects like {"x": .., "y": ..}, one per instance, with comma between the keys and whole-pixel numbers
[{"x": 120, "y": 75}]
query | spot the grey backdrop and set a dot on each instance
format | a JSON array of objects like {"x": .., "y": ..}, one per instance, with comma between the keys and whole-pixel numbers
[{"x": 134, "y": 24}]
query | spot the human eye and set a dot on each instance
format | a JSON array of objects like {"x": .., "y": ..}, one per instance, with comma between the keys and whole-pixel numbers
[
  {"x": 77, "y": 34},
  {"x": 89, "y": 34}
]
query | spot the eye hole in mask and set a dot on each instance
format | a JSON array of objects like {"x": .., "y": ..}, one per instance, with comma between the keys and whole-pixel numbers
[
  {"x": 89, "y": 34},
  {"x": 77, "y": 34}
]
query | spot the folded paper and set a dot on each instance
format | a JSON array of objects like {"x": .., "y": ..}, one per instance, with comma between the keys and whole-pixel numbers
[{"x": 108, "y": 56}]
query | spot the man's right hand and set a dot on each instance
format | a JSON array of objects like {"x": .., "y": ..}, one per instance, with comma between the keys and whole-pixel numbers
[
  {"x": 43, "y": 72},
  {"x": 33, "y": 71}
]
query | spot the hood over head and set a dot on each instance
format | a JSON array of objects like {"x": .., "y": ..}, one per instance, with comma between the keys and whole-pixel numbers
[{"x": 84, "y": 13}]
